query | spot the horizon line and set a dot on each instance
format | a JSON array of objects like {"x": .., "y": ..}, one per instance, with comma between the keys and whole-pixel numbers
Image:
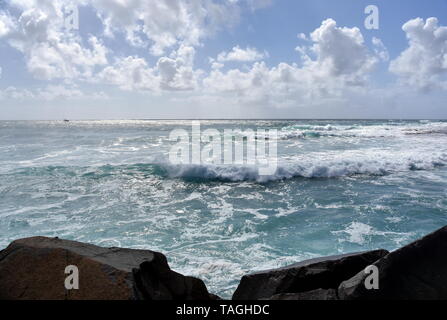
[{"x": 239, "y": 119}]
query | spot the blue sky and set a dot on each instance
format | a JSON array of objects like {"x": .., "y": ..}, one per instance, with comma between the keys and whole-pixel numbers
[{"x": 222, "y": 59}]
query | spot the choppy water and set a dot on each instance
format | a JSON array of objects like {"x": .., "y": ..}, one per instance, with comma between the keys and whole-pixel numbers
[{"x": 341, "y": 186}]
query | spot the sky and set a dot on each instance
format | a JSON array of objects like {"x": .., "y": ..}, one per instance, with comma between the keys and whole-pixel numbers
[{"x": 193, "y": 59}]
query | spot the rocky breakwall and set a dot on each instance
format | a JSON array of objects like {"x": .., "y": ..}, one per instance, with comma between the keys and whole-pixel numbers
[
  {"x": 417, "y": 271},
  {"x": 315, "y": 279},
  {"x": 34, "y": 269}
]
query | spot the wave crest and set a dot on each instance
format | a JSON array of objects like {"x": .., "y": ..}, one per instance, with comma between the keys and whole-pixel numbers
[{"x": 304, "y": 169}]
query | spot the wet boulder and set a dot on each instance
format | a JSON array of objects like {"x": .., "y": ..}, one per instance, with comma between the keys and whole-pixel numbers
[
  {"x": 309, "y": 275},
  {"x": 417, "y": 271},
  {"x": 35, "y": 269}
]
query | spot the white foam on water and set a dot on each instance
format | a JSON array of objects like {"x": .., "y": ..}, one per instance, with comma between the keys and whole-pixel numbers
[
  {"x": 362, "y": 131},
  {"x": 318, "y": 165},
  {"x": 360, "y": 233}
]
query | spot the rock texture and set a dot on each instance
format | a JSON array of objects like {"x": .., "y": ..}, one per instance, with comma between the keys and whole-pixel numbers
[
  {"x": 34, "y": 269},
  {"x": 417, "y": 271},
  {"x": 309, "y": 275}
]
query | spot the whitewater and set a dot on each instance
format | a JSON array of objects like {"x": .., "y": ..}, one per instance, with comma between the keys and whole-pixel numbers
[{"x": 340, "y": 186}]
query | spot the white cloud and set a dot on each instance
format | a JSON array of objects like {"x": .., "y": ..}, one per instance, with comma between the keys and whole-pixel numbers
[
  {"x": 336, "y": 60},
  {"x": 302, "y": 36},
  {"x": 65, "y": 59},
  {"x": 165, "y": 23},
  {"x": 14, "y": 93},
  {"x": 425, "y": 60},
  {"x": 171, "y": 73},
  {"x": 130, "y": 73},
  {"x": 49, "y": 93},
  {"x": 380, "y": 49},
  {"x": 241, "y": 55},
  {"x": 341, "y": 52},
  {"x": 53, "y": 53},
  {"x": 5, "y": 24},
  {"x": 176, "y": 72},
  {"x": 53, "y": 92}
]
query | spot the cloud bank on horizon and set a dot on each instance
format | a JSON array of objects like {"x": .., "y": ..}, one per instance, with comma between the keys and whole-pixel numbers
[{"x": 166, "y": 58}]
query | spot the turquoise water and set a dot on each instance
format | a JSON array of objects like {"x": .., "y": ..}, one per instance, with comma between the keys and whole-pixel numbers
[{"x": 341, "y": 186}]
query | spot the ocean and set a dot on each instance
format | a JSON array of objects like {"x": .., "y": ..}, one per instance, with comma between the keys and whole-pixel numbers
[{"x": 340, "y": 186}]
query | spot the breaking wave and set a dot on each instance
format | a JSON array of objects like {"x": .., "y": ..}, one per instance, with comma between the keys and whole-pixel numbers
[
  {"x": 371, "y": 131},
  {"x": 306, "y": 169},
  {"x": 309, "y": 167}
]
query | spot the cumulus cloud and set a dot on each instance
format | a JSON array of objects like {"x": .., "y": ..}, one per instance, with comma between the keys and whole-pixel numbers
[
  {"x": 130, "y": 73},
  {"x": 332, "y": 60},
  {"x": 425, "y": 60},
  {"x": 241, "y": 55},
  {"x": 162, "y": 24},
  {"x": 65, "y": 59},
  {"x": 171, "y": 73},
  {"x": 336, "y": 59},
  {"x": 340, "y": 52},
  {"x": 50, "y": 51},
  {"x": 177, "y": 72}
]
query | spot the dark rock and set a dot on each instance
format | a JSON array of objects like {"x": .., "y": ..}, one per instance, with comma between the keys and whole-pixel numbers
[
  {"x": 215, "y": 297},
  {"x": 155, "y": 281},
  {"x": 417, "y": 271},
  {"x": 320, "y": 273},
  {"x": 34, "y": 269},
  {"x": 319, "y": 294}
]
